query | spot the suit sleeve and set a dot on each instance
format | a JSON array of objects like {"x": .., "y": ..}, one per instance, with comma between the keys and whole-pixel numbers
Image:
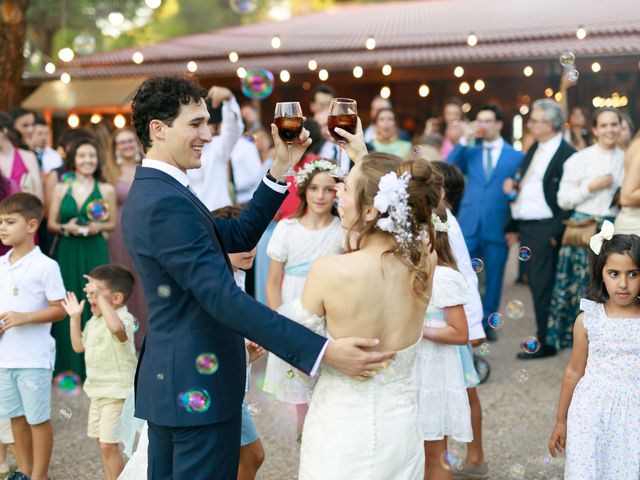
[
  {"x": 458, "y": 157},
  {"x": 183, "y": 248},
  {"x": 243, "y": 233}
]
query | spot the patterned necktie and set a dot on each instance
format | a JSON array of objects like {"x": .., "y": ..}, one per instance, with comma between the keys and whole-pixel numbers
[{"x": 488, "y": 162}]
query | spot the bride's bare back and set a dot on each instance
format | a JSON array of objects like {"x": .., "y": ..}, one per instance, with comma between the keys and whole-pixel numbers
[{"x": 363, "y": 294}]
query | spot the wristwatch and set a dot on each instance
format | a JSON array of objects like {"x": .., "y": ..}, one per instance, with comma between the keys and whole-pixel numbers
[
  {"x": 63, "y": 231},
  {"x": 273, "y": 179}
]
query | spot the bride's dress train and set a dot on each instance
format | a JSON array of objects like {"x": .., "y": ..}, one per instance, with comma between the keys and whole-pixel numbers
[{"x": 362, "y": 430}]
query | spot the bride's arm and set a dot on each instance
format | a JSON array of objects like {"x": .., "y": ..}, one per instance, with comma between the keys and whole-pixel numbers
[{"x": 455, "y": 333}]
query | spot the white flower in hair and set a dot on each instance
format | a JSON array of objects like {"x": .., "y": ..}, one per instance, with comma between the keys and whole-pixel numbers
[
  {"x": 438, "y": 224},
  {"x": 322, "y": 165},
  {"x": 392, "y": 201}
]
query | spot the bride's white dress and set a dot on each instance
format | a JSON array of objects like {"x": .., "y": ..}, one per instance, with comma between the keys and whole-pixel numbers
[{"x": 362, "y": 430}]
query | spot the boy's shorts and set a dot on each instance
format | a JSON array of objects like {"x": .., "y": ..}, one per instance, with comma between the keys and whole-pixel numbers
[
  {"x": 248, "y": 432},
  {"x": 104, "y": 414},
  {"x": 25, "y": 392}
]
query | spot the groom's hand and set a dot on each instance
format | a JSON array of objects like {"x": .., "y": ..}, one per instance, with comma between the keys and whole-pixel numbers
[
  {"x": 350, "y": 356},
  {"x": 298, "y": 147}
]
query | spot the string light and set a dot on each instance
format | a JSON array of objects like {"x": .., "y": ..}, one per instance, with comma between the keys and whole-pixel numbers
[
  {"x": 285, "y": 76},
  {"x": 524, "y": 109},
  {"x": 458, "y": 71},
  {"x": 423, "y": 91},
  {"x": 464, "y": 88},
  {"x": 241, "y": 72},
  {"x": 385, "y": 92},
  {"x": 548, "y": 92},
  {"x": 276, "y": 42},
  {"x": 479, "y": 85},
  {"x": 472, "y": 40},
  {"x": 386, "y": 70},
  {"x": 312, "y": 65},
  {"x": 323, "y": 75},
  {"x": 357, "y": 71},
  {"x": 466, "y": 107},
  {"x": 192, "y": 66},
  {"x": 65, "y": 78},
  {"x": 233, "y": 57},
  {"x": 528, "y": 71},
  {"x": 581, "y": 33},
  {"x": 66, "y": 54},
  {"x": 50, "y": 68},
  {"x": 370, "y": 43},
  {"x": 95, "y": 118},
  {"x": 558, "y": 96},
  {"x": 119, "y": 121},
  {"x": 73, "y": 120},
  {"x": 137, "y": 57},
  {"x": 596, "y": 67}
]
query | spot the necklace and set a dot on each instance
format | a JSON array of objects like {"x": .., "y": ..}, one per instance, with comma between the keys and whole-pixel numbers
[{"x": 16, "y": 289}]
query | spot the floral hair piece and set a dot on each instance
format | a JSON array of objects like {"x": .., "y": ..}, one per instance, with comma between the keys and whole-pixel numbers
[
  {"x": 438, "y": 224},
  {"x": 392, "y": 201},
  {"x": 319, "y": 165}
]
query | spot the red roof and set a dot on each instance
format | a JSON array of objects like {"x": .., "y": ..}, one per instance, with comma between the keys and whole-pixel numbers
[{"x": 418, "y": 33}]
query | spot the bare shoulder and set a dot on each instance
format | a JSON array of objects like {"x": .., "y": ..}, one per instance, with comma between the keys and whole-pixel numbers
[
  {"x": 106, "y": 188},
  {"x": 60, "y": 189}
]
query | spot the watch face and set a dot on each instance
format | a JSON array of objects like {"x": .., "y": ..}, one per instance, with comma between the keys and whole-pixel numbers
[{"x": 84, "y": 231}]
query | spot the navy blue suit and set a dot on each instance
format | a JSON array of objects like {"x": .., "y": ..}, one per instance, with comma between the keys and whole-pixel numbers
[
  {"x": 483, "y": 214},
  {"x": 180, "y": 251}
]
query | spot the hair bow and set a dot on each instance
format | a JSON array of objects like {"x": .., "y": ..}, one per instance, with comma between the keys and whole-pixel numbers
[{"x": 605, "y": 233}]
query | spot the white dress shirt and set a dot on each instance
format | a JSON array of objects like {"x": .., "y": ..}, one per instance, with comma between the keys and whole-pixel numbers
[
  {"x": 496, "y": 149},
  {"x": 473, "y": 305},
  {"x": 580, "y": 169},
  {"x": 51, "y": 159},
  {"x": 531, "y": 203},
  {"x": 331, "y": 151},
  {"x": 210, "y": 182},
  {"x": 247, "y": 169}
]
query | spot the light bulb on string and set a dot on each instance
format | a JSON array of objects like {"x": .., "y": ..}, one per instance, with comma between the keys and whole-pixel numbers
[
  {"x": 386, "y": 70},
  {"x": 66, "y": 54},
  {"x": 73, "y": 120},
  {"x": 581, "y": 33},
  {"x": 65, "y": 78},
  {"x": 119, "y": 121},
  {"x": 464, "y": 88},
  {"x": 233, "y": 57},
  {"x": 95, "y": 118},
  {"x": 528, "y": 71},
  {"x": 312, "y": 64},
  {"x": 276, "y": 42},
  {"x": 479, "y": 85},
  {"x": 241, "y": 72},
  {"x": 192, "y": 66},
  {"x": 323, "y": 75},
  {"x": 458, "y": 71},
  {"x": 423, "y": 91},
  {"x": 357, "y": 71},
  {"x": 596, "y": 67},
  {"x": 370, "y": 44},
  {"x": 472, "y": 39},
  {"x": 285, "y": 76},
  {"x": 385, "y": 92},
  {"x": 137, "y": 57},
  {"x": 50, "y": 68}
]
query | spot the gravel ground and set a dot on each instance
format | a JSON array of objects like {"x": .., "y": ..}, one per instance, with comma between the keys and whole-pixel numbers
[{"x": 518, "y": 416}]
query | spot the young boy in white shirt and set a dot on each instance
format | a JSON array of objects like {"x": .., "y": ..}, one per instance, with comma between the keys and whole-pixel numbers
[
  {"x": 109, "y": 354},
  {"x": 31, "y": 292}
]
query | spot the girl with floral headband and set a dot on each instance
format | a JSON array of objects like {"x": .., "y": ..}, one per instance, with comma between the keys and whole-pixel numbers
[
  {"x": 445, "y": 411},
  {"x": 598, "y": 420},
  {"x": 313, "y": 231}
]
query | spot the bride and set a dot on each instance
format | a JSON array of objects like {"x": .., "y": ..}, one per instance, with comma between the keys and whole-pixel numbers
[{"x": 380, "y": 288}]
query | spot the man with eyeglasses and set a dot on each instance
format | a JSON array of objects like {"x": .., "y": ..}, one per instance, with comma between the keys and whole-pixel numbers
[
  {"x": 537, "y": 219},
  {"x": 486, "y": 160}
]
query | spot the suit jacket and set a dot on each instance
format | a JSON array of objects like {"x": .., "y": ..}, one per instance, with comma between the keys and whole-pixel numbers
[
  {"x": 484, "y": 207},
  {"x": 180, "y": 251},
  {"x": 550, "y": 181}
]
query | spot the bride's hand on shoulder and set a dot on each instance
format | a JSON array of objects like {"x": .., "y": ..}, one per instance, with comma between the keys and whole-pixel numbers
[{"x": 350, "y": 356}]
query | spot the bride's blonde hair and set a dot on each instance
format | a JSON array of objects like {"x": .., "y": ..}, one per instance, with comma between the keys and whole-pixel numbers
[{"x": 424, "y": 189}]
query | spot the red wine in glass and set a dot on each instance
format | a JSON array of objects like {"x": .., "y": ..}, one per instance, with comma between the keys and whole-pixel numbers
[
  {"x": 347, "y": 122},
  {"x": 289, "y": 128}
]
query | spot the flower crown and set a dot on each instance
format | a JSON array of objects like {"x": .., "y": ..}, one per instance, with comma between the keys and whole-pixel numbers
[
  {"x": 319, "y": 165},
  {"x": 392, "y": 201},
  {"x": 438, "y": 224}
]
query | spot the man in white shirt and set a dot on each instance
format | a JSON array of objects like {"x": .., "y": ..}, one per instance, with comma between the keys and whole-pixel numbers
[
  {"x": 537, "y": 218},
  {"x": 246, "y": 168},
  {"x": 210, "y": 182},
  {"x": 48, "y": 158}
]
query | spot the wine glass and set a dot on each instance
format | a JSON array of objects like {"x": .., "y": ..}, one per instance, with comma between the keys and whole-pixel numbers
[
  {"x": 288, "y": 119},
  {"x": 343, "y": 113}
]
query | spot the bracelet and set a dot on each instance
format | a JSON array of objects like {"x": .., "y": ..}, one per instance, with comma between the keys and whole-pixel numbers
[
  {"x": 273, "y": 179},
  {"x": 63, "y": 231}
]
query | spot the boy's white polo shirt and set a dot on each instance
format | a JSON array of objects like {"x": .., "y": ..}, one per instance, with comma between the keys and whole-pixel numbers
[{"x": 39, "y": 281}]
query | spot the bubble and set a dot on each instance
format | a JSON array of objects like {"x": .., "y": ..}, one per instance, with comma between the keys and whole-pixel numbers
[
  {"x": 290, "y": 373},
  {"x": 521, "y": 375},
  {"x": 530, "y": 345},
  {"x": 195, "y": 400},
  {"x": 164, "y": 291},
  {"x": 243, "y": 6},
  {"x": 207, "y": 363},
  {"x": 482, "y": 368},
  {"x": 68, "y": 177},
  {"x": 477, "y": 264},
  {"x": 257, "y": 83},
  {"x": 451, "y": 460},
  {"x": 517, "y": 472},
  {"x": 65, "y": 413},
  {"x": 417, "y": 150},
  {"x": 84, "y": 44},
  {"x": 573, "y": 75},
  {"x": 254, "y": 408},
  {"x": 484, "y": 349},
  {"x": 546, "y": 460},
  {"x": 68, "y": 383},
  {"x": 515, "y": 309},
  {"x": 524, "y": 254},
  {"x": 136, "y": 324},
  {"x": 160, "y": 376},
  {"x": 567, "y": 59},
  {"x": 496, "y": 320},
  {"x": 98, "y": 211}
]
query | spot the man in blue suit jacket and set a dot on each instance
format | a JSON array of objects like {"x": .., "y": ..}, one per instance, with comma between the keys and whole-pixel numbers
[
  {"x": 180, "y": 252},
  {"x": 484, "y": 209}
]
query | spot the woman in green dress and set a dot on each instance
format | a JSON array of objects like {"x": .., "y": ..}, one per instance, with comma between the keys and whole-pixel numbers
[
  {"x": 82, "y": 208},
  {"x": 386, "y": 140}
]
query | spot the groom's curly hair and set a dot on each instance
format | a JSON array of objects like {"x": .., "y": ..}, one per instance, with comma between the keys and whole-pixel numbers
[{"x": 160, "y": 98}]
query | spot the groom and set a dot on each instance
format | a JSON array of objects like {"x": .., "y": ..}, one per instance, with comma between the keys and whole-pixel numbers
[{"x": 195, "y": 308}]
